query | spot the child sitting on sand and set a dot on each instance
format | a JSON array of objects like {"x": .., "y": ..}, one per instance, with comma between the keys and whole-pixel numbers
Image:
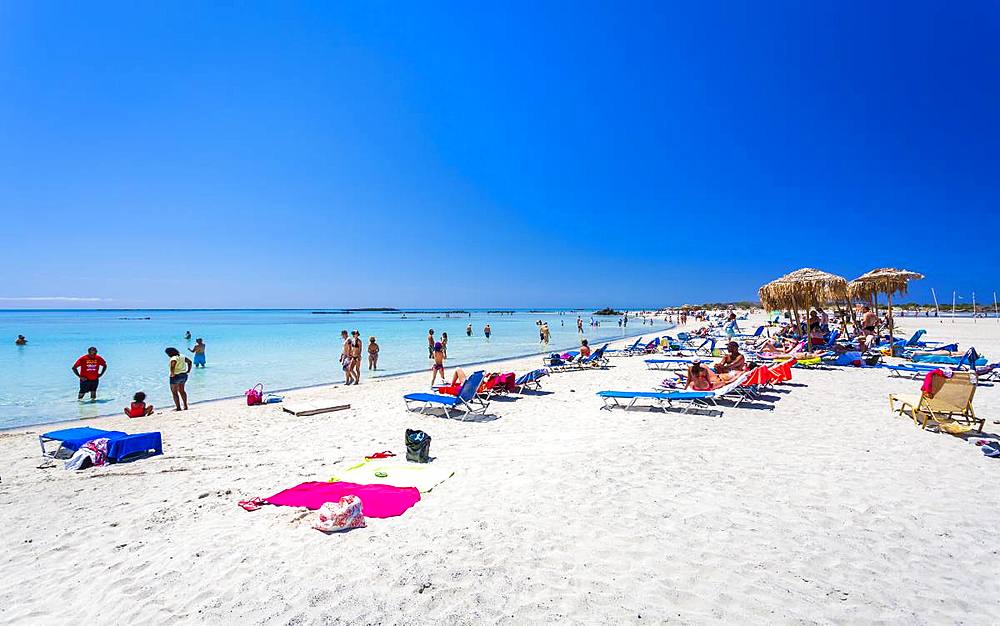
[
  {"x": 438, "y": 354},
  {"x": 139, "y": 408}
]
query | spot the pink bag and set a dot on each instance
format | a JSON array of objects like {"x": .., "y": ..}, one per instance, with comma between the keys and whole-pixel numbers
[
  {"x": 342, "y": 515},
  {"x": 255, "y": 395}
]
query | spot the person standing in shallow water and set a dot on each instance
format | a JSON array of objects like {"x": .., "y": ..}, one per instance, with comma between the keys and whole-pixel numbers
[
  {"x": 345, "y": 357},
  {"x": 372, "y": 354},
  {"x": 468, "y": 330},
  {"x": 356, "y": 355},
  {"x": 178, "y": 369},
  {"x": 199, "y": 352},
  {"x": 430, "y": 343},
  {"x": 89, "y": 368},
  {"x": 487, "y": 331}
]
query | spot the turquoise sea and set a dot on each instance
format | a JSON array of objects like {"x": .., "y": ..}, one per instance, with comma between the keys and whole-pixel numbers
[{"x": 279, "y": 348}]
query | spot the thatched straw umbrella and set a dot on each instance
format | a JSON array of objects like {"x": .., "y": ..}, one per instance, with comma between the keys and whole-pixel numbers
[
  {"x": 885, "y": 280},
  {"x": 806, "y": 286}
]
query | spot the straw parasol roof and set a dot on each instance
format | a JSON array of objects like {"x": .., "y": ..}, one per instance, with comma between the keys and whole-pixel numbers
[
  {"x": 885, "y": 280},
  {"x": 803, "y": 287}
]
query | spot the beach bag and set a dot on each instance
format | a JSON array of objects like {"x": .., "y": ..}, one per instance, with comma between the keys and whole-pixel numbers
[
  {"x": 872, "y": 358},
  {"x": 255, "y": 395},
  {"x": 345, "y": 514},
  {"x": 418, "y": 446}
]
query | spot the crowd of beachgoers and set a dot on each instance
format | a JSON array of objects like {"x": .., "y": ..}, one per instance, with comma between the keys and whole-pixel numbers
[{"x": 740, "y": 450}]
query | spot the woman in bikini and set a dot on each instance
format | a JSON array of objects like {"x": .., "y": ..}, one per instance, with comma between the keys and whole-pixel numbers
[
  {"x": 372, "y": 354},
  {"x": 701, "y": 378}
]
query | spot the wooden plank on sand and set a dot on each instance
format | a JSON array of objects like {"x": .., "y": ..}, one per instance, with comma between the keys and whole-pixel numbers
[{"x": 301, "y": 410}]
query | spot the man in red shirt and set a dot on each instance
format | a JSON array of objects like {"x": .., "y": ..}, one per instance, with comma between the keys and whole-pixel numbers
[{"x": 89, "y": 368}]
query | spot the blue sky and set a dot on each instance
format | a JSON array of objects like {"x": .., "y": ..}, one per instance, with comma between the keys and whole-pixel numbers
[{"x": 519, "y": 154}]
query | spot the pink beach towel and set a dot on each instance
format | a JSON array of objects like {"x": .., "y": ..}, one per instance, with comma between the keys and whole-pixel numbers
[
  {"x": 929, "y": 380},
  {"x": 377, "y": 500}
]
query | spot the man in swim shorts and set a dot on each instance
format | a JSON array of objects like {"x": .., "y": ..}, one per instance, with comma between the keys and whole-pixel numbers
[
  {"x": 199, "y": 352},
  {"x": 89, "y": 368}
]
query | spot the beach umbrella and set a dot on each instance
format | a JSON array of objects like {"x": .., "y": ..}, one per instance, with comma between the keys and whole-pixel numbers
[
  {"x": 887, "y": 280},
  {"x": 805, "y": 286}
]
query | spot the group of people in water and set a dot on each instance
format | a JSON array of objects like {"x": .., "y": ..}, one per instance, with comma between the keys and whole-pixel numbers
[
  {"x": 350, "y": 356},
  {"x": 91, "y": 367}
]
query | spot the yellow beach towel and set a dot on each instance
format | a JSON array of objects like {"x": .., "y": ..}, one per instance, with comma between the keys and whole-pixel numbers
[{"x": 423, "y": 476}]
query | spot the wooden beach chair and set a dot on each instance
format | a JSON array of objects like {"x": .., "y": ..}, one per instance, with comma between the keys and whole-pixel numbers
[{"x": 948, "y": 405}]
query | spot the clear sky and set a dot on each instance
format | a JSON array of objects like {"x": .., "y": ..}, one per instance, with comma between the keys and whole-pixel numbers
[{"x": 538, "y": 154}]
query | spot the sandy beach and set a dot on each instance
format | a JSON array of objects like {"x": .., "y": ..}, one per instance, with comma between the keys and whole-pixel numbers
[{"x": 813, "y": 505}]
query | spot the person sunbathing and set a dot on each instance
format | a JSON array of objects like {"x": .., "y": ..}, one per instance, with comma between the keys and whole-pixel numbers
[
  {"x": 732, "y": 362},
  {"x": 700, "y": 378}
]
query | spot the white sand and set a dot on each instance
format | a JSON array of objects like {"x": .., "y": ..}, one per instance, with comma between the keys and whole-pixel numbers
[{"x": 826, "y": 509}]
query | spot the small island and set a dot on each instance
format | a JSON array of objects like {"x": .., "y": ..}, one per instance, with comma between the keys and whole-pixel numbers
[{"x": 607, "y": 311}]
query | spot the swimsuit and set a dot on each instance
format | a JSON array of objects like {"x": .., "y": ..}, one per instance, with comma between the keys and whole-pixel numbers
[
  {"x": 178, "y": 379},
  {"x": 199, "y": 358}
]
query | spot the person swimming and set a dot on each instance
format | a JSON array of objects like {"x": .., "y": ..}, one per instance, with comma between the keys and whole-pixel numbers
[{"x": 20, "y": 341}]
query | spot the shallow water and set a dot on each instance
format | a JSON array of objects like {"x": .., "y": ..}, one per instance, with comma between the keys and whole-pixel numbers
[{"x": 281, "y": 349}]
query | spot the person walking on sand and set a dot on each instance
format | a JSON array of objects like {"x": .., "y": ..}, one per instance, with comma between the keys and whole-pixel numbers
[
  {"x": 487, "y": 331},
  {"x": 178, "y": 368},
  {"x": 199, "y": 352},
  {"x": 89, "y": 368},
  {"x": 869, "y": 322},
  {"x": 430, "y": 344},
  {"x": 372, "y": 354},
  {"x": 355, "y": 354},
  {"x": 438, "y": 356}
]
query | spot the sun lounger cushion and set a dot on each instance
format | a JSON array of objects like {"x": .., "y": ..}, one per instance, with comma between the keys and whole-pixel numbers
[
  {"x": 73, "y": 438},
  {"x": 431, "y": 397}
]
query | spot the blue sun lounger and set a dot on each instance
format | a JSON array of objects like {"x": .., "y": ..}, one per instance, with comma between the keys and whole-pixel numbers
[
  {"x": 663, "y": 399},
  {"x": 670, "y": 363},
  {"x": 462, "y": 402},
  {"x": 121, "y": 446},
  {"x": 530, "y": 380},
  {"x": 629, "y": 351}
]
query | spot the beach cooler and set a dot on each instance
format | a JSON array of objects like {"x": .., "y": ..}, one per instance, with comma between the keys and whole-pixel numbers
[{"x": 121, "y": 446}]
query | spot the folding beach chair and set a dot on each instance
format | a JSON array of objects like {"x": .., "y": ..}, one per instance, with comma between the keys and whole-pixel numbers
[
  {"x": 664, "y": 399},
  {"x": 948, "y": 405},
  {"x": 465, "y": 401},
  {"x": 530, "y": 380}
]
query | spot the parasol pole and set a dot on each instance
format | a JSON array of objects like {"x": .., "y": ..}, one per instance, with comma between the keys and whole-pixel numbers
[
  {"x": 937, "y": 309},
  {"x": 973, "y": 307},
  {"x": 996, "y": 311},
  {"x": 892, "y": 338}
]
